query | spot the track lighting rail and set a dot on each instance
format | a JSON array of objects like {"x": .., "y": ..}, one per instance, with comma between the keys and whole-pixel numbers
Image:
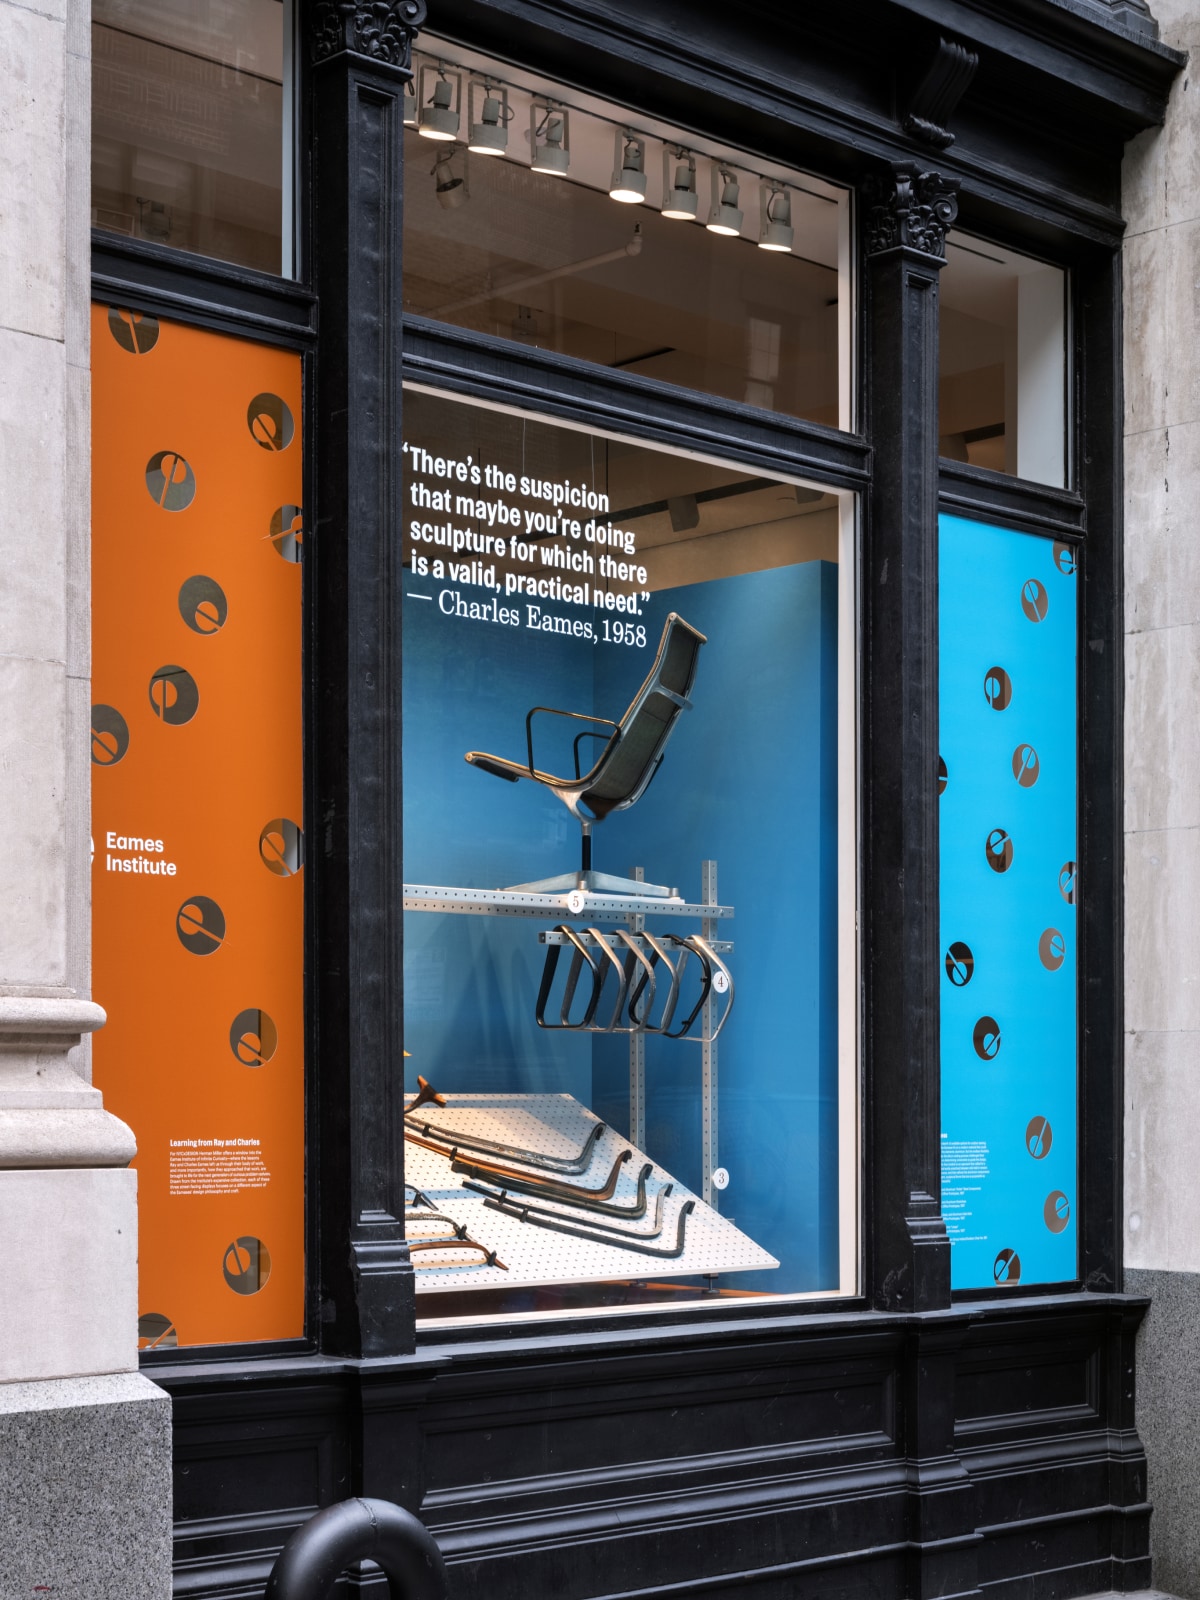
[{"x": 447, "y": 93}]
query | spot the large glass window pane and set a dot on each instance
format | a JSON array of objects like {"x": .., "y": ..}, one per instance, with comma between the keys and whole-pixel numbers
[
  {"x": 188, "y": 127},
  {"x": 1002, "y": 370},
  {"x": 556, "y": 220},
  {"x": 557, "y": 568}
]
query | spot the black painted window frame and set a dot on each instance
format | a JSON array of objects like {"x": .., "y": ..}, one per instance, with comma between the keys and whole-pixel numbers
[{"x": 456, "y": 362}]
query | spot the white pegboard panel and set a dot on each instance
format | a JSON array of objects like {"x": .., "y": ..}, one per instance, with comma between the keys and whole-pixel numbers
[{"x": 557, "y": 1125}]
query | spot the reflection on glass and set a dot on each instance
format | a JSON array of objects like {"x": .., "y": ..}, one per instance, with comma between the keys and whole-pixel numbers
[
  {"x": 187, "y": 126},
  {"x": 564, "y": 228},
  {"x": 1002, "y": 365},
  {"x": 681, "y": 620}
]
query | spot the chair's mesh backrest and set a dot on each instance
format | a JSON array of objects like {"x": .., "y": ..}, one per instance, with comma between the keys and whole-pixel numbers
[
  {"x": 647, "y": 724},
  {"x": 680, "y": 653}
]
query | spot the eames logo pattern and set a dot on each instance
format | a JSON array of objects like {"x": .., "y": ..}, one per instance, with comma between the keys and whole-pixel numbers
[
  {"x": 202, "y": 605},
  {"x": 170, "y": 480},
  {"x": 999, "y": 849},
  {"x": 287, "y": 532},
  {"x": 134, "y": 331},
  {"x": 174, "y": 695},
  {"x": 246, "y": 1265},
  {"x": 110, "y": 735},
  {"x": 270, "y": 422},
  {"x": 960, "y": 964},
  {"x": 253, "y": 1038},
  {"x": 200, "y": 924},
  {"x": 1008, "y": 1091},
  {"x": 997, "y": 688},
  {"x": 195, "y": 740}
]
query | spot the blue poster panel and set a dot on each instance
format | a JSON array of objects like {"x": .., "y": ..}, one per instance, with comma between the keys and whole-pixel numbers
[{"x": 1007, "y": 780}]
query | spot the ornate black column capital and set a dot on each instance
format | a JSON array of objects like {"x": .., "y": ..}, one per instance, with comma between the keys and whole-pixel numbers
[
  {"x": 381, "y": 30},
  {"x": 907, "y": 209}
]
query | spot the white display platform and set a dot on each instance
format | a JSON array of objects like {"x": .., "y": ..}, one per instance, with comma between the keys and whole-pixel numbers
[{"x": 557, "y": 1125}]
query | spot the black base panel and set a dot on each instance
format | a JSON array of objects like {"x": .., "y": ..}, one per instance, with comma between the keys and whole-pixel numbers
[{"x": 987, "y": 1449}]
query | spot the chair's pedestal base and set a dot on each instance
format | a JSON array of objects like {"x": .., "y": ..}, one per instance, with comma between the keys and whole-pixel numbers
[{"x": 595, "y": 883}]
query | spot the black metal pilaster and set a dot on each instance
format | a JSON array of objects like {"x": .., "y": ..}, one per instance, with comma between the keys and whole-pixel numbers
[
  {"x": 1099, "y": 450},
  {"x": 906, "y": 216},
  {"x": 361, "y": 62}
]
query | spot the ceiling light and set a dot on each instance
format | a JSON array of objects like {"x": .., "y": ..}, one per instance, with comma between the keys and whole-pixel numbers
[
  {"x": 629, "y": 169},
  {"x": 489, "y": 136},
  {"x": 725, "y": 217},
  {"x": 549, "y": 138},
  {"x": 440, "y": 109},
  {"x": 679, "y": 188},
  {"x": 777, "y": 231},
  {"x": 451, "y": 190}
]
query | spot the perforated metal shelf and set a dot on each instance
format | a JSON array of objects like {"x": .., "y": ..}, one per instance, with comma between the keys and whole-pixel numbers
[
  {"x": 558, "y": 1125},
  {"x": 578, "y": 903}
]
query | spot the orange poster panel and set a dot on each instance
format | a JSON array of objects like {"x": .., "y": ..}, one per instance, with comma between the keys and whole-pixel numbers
[{"x": 197, "y": 877}]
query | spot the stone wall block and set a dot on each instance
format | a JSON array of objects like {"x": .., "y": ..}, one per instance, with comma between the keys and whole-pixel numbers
[
  {"x": 1148, "y": 1179},
  {"x": 1162, "y": 931},
  {"x": 1181, "y": 184},
  {"x": 33, "y": 471},
  {"x": 1145, "y": 331},
  {"x": 70, "y": 1276},
  {"x": 78, "y": 138},
  {"x": 78, "y": 15},
  {"x": 78, "y": 850},
  {"x": 33, "y": 852},
  {"x": 1179, "y": 297},
  {"x": 86, "y": 1509},
  {"x": 1162, "y": 752},
  {"x": 32, "y": 130},
  {"x": 1168, "y": 1421},
  {"x": 77, "y": 525},
  {"x": 1162, "y": 549},
  {"x": 1144, "y": 182},
  {"x": 1162, "y": 1129}
]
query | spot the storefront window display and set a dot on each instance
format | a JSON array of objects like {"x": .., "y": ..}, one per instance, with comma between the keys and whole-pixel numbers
[
  {"x": 628, "y": 838},
  {"x": 546, "y": 216}
]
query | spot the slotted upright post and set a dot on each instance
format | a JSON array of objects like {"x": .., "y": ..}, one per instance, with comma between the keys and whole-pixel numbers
[
  {"x": 637, "y": 1055},
  {"x": 708, "y": 1050}
]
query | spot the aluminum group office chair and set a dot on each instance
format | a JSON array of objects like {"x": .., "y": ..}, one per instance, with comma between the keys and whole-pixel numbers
[{"x": 632, "y": 754}]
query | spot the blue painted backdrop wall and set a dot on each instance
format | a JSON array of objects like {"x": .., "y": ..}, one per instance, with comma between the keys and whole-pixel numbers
[
  {"x": 1008, "y": 850},
  {"x": 750, "y": 778}
]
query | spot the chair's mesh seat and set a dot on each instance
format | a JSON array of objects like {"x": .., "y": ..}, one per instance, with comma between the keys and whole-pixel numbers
[{"x": 637, "y": 749}]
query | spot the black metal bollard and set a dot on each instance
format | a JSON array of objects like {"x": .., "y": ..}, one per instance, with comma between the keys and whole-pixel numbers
[{"x": 317, "y": 1554}]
